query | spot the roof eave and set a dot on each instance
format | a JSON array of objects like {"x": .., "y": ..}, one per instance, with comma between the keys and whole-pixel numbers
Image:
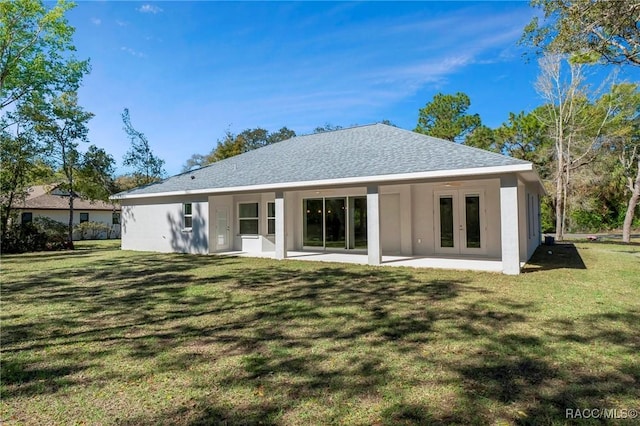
[{"x": 360, "y": 180}]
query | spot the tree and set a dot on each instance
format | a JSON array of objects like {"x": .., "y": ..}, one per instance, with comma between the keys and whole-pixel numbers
[
  {"x": 248, "y": 140},
  {"x": 482, "y": 137},
  {"x": 123, "y": 183},
  {"x": 233, "y": 145},
  {"x": 326, "y": 128},
  {"x": 18, "y": 166},
  {"x": 251, "y": 139},
  {"x": 575, "y": 125},
  {"x": 624, "y": 136},
  {"x": 35, "y": 47},
  {"x": 525, "y": 137},
  {"x": 36, "y": 62},
  {"x": 95, "y": 174},
  {"x": 446, "y": 117},
  {"x": 61, "y": 124},
  {"x": 281, "y": 135},
  {"x": 230, "y": 146},
  {"x": 196, "y": 161},
  {"x": 147, "y": 168},
  {"x": 604, "y": 31}
]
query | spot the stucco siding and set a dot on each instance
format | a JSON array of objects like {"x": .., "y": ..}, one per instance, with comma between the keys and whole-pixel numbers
[
  {"x": 492, "y": 211},
  {"x": 424, "y": 221},
  {"x": 390, "y": 235},
  {"x": 157, "y": 225},
  {"x": 529, "y": 220},
  {"x": 409, "y": 223},
  {"x": 532, "y": 206}
]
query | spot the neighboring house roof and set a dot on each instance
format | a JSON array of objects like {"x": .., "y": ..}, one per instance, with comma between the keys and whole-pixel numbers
[
  {"x": 47, "y": 197},
  {"x": 357, "y": 155}
]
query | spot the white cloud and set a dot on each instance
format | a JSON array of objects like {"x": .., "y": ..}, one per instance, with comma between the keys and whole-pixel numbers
[
  {"x": 133, "y": 52},
  {"x": 121, "y": 23},
  {"x": 96, "y": 21},
  {"x": 149, "y": 8}
]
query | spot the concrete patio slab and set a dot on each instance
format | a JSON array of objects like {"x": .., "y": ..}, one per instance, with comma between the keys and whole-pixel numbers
[{"x": 460, "y": 263}]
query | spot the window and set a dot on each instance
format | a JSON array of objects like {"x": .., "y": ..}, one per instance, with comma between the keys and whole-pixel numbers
[
  {"x": 187, "y": 216},
  {"x": 271, "y": 218},
  {"x": 248, "y": 217},
  {"x": 26, "y": 217},
  {"x": 115, "y": 218},
  {"x": 84, "y": 217}
]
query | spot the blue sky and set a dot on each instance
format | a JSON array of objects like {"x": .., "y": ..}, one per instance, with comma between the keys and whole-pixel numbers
[{"x": 189, "y": 71}]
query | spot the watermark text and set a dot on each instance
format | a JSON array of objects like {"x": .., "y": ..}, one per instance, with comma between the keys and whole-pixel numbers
[{"x": 601, "y": 413}]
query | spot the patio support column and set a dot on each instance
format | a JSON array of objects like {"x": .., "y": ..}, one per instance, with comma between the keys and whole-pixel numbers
[
  {"x": 374, "y": 249},
  {"x": 509, "y": 226},
  {"x": 281, "y": 242}
]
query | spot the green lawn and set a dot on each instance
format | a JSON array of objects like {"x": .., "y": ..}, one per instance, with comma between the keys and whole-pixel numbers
[{"x": 103, "y": 336}]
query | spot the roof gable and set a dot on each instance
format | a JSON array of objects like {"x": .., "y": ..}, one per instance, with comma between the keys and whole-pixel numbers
[{"x": 357, "y": 152}]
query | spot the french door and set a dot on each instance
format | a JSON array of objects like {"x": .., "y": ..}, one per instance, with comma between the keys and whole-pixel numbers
[
  {"x": 336, "y": 223},
  {"x": 459, "y": 222}
]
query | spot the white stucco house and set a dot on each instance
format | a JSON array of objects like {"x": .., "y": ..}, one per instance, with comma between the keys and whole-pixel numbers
[
  {"x": 51, "y": 202},
  {"x": 371, "y": 194}
]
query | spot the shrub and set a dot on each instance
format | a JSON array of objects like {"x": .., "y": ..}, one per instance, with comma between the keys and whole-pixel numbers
[
  {"x": 41, "y": 234},
  {"x": 92, "y": 230},
  {"x": 55, "y": 231},
  {"x": 22, "y": 238},
  {"x": 547, "y": 216},
  {"x": 589, "y": 221}
]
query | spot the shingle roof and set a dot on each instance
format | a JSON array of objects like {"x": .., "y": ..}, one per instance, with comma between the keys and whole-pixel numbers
[
  {"x": 40, "y": 197},
  {"x": 371, "y": 150}
]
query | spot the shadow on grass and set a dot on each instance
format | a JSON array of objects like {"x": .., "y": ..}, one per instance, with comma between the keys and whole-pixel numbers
[
  {"x": 562, "y": 255},
  {"x": 613, "y": 242},
  {"x": 307, "y": 338},
  {"x": 27, "y": 379},
  {"x": 46, "y": 255}
]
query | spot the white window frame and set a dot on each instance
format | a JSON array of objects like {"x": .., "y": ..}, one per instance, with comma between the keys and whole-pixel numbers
[
  {"x": 271, "y": 218},
  {"x": 240, "y": 219},
  {"x": 186, "y": 216}
]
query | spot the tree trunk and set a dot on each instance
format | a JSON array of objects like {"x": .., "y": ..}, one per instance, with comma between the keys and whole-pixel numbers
[
  {"x": 565, "y": 191},
  {"x": 559, "y": 202},
  {"x": 71, "y": 194},
  {"x": 6, "y": 213},
  {"x": 70, "y": 231},
  {"x": 8, "y": 208},
  {"x": 631, "y": 208}
]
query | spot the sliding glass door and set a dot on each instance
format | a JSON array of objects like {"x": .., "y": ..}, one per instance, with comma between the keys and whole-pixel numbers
[
  {"x": 335, "y": 223},
  {"x": 313, "y": 223},
  {"x": 357, "y": 222}
]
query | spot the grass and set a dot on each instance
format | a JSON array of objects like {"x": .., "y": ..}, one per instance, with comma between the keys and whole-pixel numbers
[{"x": 103, "y": 336}]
